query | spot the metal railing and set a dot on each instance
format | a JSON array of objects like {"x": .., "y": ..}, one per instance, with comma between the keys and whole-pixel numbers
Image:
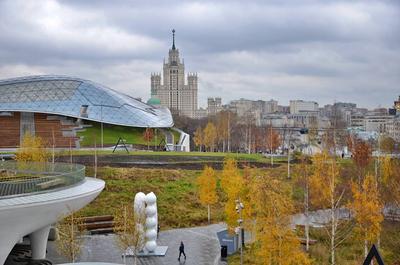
[{"x": 22, "y": 178}]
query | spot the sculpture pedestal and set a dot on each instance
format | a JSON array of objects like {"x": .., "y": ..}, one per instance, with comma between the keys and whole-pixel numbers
[{"x": 159, "y": 251}]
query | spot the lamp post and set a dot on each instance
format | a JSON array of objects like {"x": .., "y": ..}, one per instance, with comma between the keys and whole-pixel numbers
[
  {"x": 101, "y": 126},
  {"x": 239, "y": 207}
]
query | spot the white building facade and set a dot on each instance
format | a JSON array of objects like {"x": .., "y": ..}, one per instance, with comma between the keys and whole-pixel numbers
[
  {"x": 172, "y": 91},
  {"x": 298, "y": 106}
]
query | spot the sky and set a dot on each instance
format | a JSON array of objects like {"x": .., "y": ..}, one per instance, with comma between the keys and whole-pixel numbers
[{"x": 327, "y": 51}]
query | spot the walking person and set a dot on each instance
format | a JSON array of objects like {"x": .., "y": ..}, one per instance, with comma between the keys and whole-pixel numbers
[{"x": 181, "y": 251}]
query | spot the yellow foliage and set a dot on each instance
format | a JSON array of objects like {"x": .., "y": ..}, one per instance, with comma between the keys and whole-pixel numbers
[
  {"x": 207, "y": 184},
  {"x": 324, "y": 180},
  {"x": 32, "y": 149},
  {"x": 231, "y": 180},
  {"x": 129, "y": 228},
  {"x": 231, "y": 183},
  {"x": 70, "y": 241},
  {"x": 198, "y": 137},
  {"x": 276, "y": 243},
  {"x": 367, "y": 209},
  {"x": 245, "y": 196},
  {"x": 210, "y": 136},
  {"x": 387, "y": 170}
]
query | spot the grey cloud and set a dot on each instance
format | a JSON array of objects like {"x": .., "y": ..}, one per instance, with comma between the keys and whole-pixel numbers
[{"x": 320, "y": 50}]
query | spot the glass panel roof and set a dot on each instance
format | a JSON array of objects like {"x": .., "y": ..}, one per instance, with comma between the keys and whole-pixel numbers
[{"x": 65, "y": 95}]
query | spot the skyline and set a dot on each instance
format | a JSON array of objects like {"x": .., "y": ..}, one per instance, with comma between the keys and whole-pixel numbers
[{"x": 324, "y": 51}]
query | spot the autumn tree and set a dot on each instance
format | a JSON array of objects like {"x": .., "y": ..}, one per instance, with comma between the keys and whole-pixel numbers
[
  {"x": 389, "y": 183},
  {"x": 129, "y": 229},
  {"x": 199, "y": 138},
  {"x": 276, "y": 243},
  {"x": 362, "y": 156},
  {"x": 210, "y": 136},
  {"x": 222, "y": 126},
  {"x": 148, "y": 135},
  {"x": 367, "y": 211},
  {"x": 70, "y": 240},
  {"x": 32, "y": 149},
  {"x": 387, "y": 144},
  {"x": 326, "y": 193},
  {"x": 231, "y": 183},
  {"x": 207, "y": 185},
  {"x": 303, "y": 178},
  {"x": 387, "y": 170},
  {"x": 273, "y": 141}
]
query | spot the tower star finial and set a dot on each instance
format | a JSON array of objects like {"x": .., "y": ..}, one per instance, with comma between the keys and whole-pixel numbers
[{"x": 173, "y": 39}]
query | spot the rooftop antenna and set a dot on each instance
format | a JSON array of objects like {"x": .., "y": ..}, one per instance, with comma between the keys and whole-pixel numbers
[{"x": 173, "y": 39}]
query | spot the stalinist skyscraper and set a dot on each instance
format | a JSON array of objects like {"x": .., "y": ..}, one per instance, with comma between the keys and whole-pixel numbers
[{"x": 171, "y": 91}]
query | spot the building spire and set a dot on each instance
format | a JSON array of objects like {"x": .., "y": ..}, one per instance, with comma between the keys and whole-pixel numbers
[{"x": 173, "y": 39}]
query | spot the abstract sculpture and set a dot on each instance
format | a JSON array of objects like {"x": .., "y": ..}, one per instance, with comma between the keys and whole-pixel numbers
[{"x": 147, "y": 205}]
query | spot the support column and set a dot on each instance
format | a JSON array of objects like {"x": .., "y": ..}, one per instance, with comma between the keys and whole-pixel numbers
[{"x": 39, "y": 242}]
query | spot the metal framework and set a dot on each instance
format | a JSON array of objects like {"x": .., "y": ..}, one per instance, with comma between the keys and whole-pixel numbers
[{"x": 81, "y": 99}]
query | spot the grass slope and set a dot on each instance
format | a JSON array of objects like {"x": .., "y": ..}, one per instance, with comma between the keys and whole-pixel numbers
[
  {"x": 178, "y": 202},
  {"x": 111, "y": 133}
]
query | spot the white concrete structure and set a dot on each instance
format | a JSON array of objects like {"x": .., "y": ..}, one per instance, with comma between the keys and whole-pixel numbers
[
  {"x": 32, "y": 214},
  {"x": 184, "y": 141}
]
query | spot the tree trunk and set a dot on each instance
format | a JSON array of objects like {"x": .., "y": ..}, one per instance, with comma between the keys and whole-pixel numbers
[
  {"x": 333, "y": 231},
  {"x": 209, "y": 214},
  {"x": 333, "y": 218},
  {"x": 307, "y": 227}
]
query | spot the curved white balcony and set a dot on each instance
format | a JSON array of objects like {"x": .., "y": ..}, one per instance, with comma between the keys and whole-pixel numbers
[{"x": 32, "y": 213}]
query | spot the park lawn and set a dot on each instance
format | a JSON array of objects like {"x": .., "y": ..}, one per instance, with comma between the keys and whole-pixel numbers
[
  {"x": 111, "y": 134},
  {"x": 176, "y": 191},
  {"x": 237, "y": 156}
]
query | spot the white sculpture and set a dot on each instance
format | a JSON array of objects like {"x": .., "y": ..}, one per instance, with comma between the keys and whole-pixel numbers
[{"x": 148, "y": 204}]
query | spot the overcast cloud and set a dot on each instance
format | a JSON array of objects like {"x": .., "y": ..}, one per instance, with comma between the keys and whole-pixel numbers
[{"x": 313, "y": 50}]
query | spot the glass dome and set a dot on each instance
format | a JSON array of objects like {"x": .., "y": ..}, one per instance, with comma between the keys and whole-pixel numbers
[{"x": 67, "y": 96}]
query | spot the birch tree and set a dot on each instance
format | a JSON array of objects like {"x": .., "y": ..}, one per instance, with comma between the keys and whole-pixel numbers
[
  {"x": 207, "y": 184},
  {"x": 129, "y": 230},
  {"x": 199, "y": 137},
  {"x": 70, "y": 230},
  {"x": 210, "y": 136},
  {"x": 326, "y": 193},
  {"x": 276, "y": 243},
  {"x": 32, "y": 149},
  {"x": 367, "y": 211},
  {"x": 231, "y": 183}
]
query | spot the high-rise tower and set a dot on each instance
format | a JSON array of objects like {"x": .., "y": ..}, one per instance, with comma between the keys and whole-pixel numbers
[{"x": 172, "y": 92}]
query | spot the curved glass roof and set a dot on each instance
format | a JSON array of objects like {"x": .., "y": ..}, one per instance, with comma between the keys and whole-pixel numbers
[{"x": 63, "y": 95}]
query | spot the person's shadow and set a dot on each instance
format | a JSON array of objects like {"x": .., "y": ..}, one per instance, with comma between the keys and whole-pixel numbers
[{"x": 182, "y": 261}]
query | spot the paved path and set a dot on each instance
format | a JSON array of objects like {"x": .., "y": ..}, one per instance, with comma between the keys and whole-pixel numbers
[{"x": 201, "y": 247}]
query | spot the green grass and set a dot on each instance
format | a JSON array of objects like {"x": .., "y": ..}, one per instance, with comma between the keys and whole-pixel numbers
[
  {"x": 178, "y": 200},
  {"x": 237, "y": 156},
  {"x": 111, "y": 134}
]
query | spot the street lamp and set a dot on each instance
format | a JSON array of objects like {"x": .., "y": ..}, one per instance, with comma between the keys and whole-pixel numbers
[{"x": 239, "y": 207}]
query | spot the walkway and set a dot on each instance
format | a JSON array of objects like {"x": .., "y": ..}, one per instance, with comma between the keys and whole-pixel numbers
[{"x": 201, "y": 247}]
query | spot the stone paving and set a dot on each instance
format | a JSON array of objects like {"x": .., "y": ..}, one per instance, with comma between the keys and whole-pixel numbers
[{"x": 201, "y": 248}]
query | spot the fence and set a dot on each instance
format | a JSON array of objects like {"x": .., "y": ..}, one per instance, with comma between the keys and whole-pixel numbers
[{"x": 22, "y": 178}]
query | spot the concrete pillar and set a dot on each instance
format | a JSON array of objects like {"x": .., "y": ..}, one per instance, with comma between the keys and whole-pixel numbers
[
  {"x": 5, "y": 249},
  {"x": 39, "y": 242}
]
